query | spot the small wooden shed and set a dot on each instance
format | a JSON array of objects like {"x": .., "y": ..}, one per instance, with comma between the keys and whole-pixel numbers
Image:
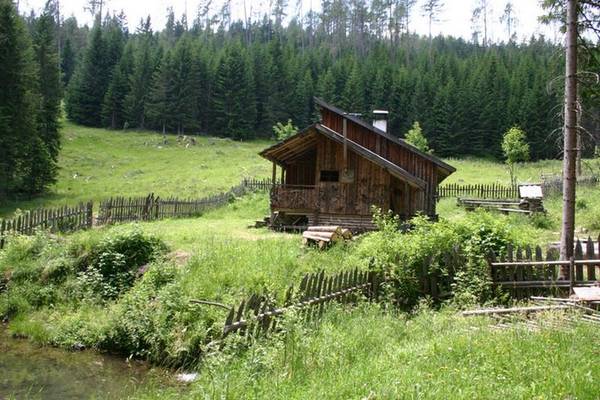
[{"x": 334, "y": 171}]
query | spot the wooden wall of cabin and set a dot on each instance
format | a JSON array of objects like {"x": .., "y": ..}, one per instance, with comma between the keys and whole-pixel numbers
[
  {"x": 370, "y": 184},
  {"x": 408, "y": 160},
  {"x": 302, "y": 170}
]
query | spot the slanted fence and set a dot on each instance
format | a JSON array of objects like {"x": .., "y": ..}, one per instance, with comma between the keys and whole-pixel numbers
[
  {"x": 63, "y": 219},
  {"x": 151, "y": 207},
  {"x": 121, "y": 209},
  {"x": 258, "y": 315},
  {"x": 528, "y": 272}
]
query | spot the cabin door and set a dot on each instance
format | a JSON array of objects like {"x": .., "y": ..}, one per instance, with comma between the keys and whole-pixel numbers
[{"x": 398, "y": 197}]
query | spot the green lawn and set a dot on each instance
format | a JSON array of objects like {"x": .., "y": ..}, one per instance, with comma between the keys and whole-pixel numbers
[{"x": 99, "y": 163}]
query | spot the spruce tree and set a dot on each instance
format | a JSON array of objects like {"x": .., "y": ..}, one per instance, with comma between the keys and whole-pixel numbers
[
  {"x": 232, "y": 98},
  {"x": 67, "y": 62},
  {"x": 140, "y": 79},
  {"x": 26, "y": 166},
  {"x": 89, "y": 83},
  {"x": 183, "y": 87},
  {"x": 113, "y": 112},
  {"x": 49, "y": 85}
]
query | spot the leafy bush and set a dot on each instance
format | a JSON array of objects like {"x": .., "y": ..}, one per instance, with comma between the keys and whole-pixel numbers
[
  {"x": 113, "y": 264},
  {"x": 154, "y": 320},
  {"x": 458, "y": 249}
]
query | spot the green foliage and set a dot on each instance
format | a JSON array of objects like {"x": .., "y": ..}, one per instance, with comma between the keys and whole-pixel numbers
[
  {"x": 41, "y": 270},
  {"x": 283, "y": 132},
  {"x": 113, "y": 264},
  {"x": 29, "y": 98},
  {"x": 515, "y": 149},
  {"x": 415, "y": 137},
  {"x": 459, "y": 248},
  {"x": 233, "y": 103}
]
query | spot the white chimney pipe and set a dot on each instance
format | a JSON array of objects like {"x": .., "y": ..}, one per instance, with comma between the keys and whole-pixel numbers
[{"x": 380, "y": 119}]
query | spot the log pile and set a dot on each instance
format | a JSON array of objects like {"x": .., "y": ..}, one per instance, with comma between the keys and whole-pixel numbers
[{"x": 323, "y": 236}]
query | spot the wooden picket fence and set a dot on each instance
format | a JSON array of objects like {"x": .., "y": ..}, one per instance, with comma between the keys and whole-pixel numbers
[
  {"x": 63, "y": 219},
  {"x": 151, "y": 207},
  {"x": 258, "y": 315},
  {"x": 551, "y": 186},
  {"x": 121, "y": 209},
  {"x": 480, "y": 191},
  {"x": 528, "y": 272},
  {"x": 259, "y": 184}
]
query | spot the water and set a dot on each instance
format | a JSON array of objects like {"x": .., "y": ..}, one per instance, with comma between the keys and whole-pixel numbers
[{"x": 31, "y": 372}]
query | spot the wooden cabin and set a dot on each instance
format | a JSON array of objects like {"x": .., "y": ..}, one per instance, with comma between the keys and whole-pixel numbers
[{"x": 335, "y": 170}]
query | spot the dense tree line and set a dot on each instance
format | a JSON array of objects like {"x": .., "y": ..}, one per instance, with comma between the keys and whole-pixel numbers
[
  {"x": 30, "y": 95},
  {"x": 238, "y": 79}
]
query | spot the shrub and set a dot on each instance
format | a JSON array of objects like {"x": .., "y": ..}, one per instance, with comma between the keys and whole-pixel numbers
[
  {"x": 155, "y": 321},
  {"x": 459, "y": 249},
  {"x": 113, "y": 264}
]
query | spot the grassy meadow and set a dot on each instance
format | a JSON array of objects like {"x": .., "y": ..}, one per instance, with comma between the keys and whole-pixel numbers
[
  {"x": 59, "y": 293},
  {"x": 99, "y": 163}
]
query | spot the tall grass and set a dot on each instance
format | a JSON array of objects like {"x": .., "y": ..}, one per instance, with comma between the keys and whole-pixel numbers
[{"x": 366, "y": 353}]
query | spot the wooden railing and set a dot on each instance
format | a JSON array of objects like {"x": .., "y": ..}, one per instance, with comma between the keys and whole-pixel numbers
[
  {"x": 294, "y": 196},
  {"x": 526, "y": 272}
]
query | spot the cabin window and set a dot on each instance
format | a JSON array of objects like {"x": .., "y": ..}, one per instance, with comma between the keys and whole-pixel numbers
[{"x": 330, "y": 176}]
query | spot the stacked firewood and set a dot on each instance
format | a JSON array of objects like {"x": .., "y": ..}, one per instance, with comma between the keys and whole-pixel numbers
[{"x": 323, "y": 236}]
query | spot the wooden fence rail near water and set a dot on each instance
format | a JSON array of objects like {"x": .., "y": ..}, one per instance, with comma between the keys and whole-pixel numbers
[
  {"x": 63, "y": 219},
  {"x": 527, "y": 272},
  {"x": 257, "y": 315}
]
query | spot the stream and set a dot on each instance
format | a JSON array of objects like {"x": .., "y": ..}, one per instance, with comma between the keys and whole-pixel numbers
[{"x": 28, "y": 371}]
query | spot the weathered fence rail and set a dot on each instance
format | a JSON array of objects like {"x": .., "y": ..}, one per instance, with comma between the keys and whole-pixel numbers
[
  {"x": 550, "y": 186},
  {"x": 257, "y": 315},
  {"x": 481, "y": 191},
  {"x": 63, "y": 219},
  {"x": 121, "y": 209},
  {"x": 527, "y": 272},
  {"x": 151, "y": 207}
]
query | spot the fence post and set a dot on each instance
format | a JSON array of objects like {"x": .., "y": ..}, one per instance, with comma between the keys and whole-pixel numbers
[{"x": 571, "y": 274}]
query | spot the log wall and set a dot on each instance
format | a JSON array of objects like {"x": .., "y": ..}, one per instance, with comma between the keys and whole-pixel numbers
[{"x": 412, "y": 162}]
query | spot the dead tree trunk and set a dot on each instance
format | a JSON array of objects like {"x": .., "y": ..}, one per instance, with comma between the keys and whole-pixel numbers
[
  {"x": 579, "y": 167},
  {"x": 570, "y": 137}
]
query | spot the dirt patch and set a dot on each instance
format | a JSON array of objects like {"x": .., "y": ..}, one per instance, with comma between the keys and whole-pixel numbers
[{"x": 180, "y": 257}]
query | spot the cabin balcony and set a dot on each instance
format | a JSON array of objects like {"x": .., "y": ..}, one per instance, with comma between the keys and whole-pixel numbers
[{"x": 294, "y": 197}]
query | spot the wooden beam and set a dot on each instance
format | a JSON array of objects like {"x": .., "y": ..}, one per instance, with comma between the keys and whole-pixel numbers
[
  {"x": 274, "y": 176},
  {"x": 345, "y": 133}
]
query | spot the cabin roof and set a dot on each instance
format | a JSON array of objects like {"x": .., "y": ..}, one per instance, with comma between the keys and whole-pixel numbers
[
  {"x": 447, "y": 168},
  {"x": 294, "y": 146}
]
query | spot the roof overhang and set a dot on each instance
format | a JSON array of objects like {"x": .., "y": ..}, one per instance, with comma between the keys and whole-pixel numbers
[{"x": 292, "y": 147}]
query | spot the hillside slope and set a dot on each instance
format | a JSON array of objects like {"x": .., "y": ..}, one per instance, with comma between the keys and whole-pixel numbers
[{"x": 99, "y": 163}]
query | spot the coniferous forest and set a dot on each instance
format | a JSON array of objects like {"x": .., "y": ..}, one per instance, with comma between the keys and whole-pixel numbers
[{"x": 213, "y": 75}]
